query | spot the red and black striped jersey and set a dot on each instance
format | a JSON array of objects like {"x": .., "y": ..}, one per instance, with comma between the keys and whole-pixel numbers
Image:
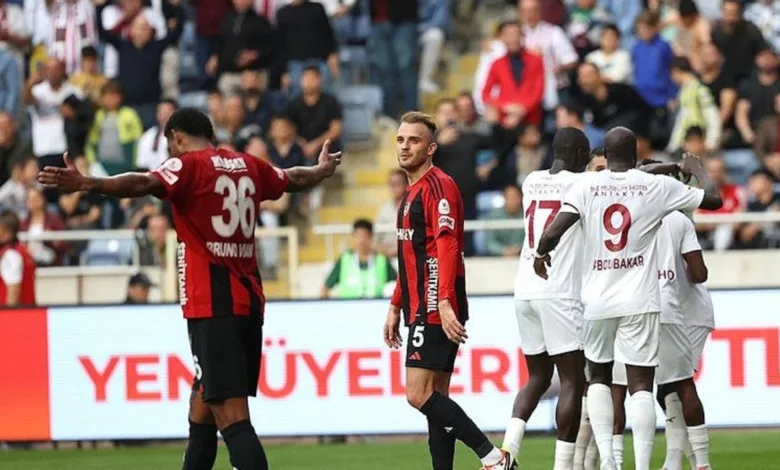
[
  {"x": 429, "y": 231},
  {"x": 215, "y": 196}
]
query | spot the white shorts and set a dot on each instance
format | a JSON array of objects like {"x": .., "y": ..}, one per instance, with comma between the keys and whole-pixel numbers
[
  {"x": 631, "y": 340},
  {"x": 698, "y": 336},
  {"x": 675, "y": 362},
  {"x": 619, "y": 376},
  {"x": 549, "y": 325}
]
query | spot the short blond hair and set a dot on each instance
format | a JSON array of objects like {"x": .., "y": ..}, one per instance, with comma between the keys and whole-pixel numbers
[{"x": 417, "y": 117}]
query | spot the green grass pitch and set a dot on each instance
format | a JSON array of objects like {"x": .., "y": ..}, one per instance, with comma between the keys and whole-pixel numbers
[{"x": 730, "y": 450}]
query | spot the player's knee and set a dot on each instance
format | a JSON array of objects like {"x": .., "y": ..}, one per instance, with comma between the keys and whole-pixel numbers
[
  {"x": 663, "y": 391},
  {"x": 416, "y": 397},
  {"x": 229, "y": 411}
]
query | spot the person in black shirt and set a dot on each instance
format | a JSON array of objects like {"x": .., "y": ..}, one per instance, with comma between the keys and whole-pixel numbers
[
  {"x": 260, "y": 103},
  {"x": 317, "y": 115},
  {"x": 723, "y": 88},
  {"x": 763, "y": 199},
  {"x": 757, "y": 96},
  {"x": 737, "y": 39}
]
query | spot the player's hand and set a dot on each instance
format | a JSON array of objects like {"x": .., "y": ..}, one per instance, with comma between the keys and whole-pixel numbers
[
  {"x": 67, "y": 180},
  {"x": 454, "y": 330},
  {"x": 691, "y": 165},
  {"x": 541, "y": 264},
  {"x": 328, "y": 161},
  {"x": 392, "y": 333}
]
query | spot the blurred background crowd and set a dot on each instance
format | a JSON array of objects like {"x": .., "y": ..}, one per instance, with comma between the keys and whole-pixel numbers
[{"x": 99, "y": 79}]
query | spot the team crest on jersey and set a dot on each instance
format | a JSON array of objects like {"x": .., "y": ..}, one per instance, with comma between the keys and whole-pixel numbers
[
  {"x": 444, "y": 207},
  {"x": 173, "y": 164},
  {"x": 406, "y": 209}
]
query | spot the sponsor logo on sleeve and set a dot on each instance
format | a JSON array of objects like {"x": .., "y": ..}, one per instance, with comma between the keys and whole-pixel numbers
[
  {"x": 446, "y": 221},
  {"x": 444, "y": 207},
  {"x": 168, "y": 170}
]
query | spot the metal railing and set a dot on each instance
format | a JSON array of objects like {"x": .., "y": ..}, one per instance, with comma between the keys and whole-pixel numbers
[{"x": 331, "y": 231}]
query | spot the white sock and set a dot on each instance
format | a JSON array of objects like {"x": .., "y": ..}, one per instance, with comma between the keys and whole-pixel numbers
[
  {"x": 700, "y": 442},
  {"x": 493, "y": 457},
  {"x": 602, "y": 418},
  {"x": 564, "y": 455},
  {"x": 513, "y": 436},
  {"x": 591, "y": 455},
  {"x": 675, "y": 432},
  {"x": 688, "y": 451},
  {"x": 583, "y": 437},
  {"x": 617, "y": 449},
  {"x": 642, "y": 407}
]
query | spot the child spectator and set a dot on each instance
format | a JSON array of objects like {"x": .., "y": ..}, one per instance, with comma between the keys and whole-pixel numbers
[
  {"x": 88, "y": 78},
  {"x": 613, "y": 62},
  {"x": 283, "y": 150},
  {"x": 115, "y": 132},
  {"x": 38, "y": 221},
  {"x": 696, "y": 107},
  {"x": 153, "y": 146},
  {"x": 13, "y": 193}
]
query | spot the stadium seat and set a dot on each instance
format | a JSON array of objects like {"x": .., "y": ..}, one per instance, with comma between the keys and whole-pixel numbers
[
  {"x": 193, "y": 99},
  {"x": 109, "y": 252},
  {"x": 354, "y": 63},
  {"x": 741, "y": 163},
  {"x": 360, "y": 103}
]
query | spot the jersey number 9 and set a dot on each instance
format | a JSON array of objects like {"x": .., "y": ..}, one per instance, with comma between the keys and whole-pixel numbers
[{"x": 620, "y": 228}]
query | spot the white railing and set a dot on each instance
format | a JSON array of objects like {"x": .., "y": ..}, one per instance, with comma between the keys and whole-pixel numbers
[{"x": 331, "y": 231}]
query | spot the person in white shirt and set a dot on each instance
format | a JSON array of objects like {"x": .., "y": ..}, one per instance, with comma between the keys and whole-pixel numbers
[
  {"x": 613, "y": 62},
  {"x": 549, "y": 313},
  {"x": 620, "y": 210},
  {"x": 121, "y": 16},
  {"x": 152, "y": 149}
]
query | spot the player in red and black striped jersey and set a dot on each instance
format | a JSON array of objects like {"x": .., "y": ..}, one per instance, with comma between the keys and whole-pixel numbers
[
  {"x": 215, "y": 195},
  {"x": 431, "y": 292}
]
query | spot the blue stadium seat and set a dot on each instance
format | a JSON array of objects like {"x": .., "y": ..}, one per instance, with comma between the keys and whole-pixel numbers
[
  {"x": 109, "y": 252},
  {"x": 193, "y": 99},
  {"x": 360, "y": 103},
  {"x": 741, "y": 163}
]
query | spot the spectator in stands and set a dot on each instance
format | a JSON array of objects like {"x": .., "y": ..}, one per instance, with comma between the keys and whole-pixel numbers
[
  {"x": 434, "y": 24},
  {"x": 613, "y": 62},
  {"x": 586, "y": 20},
  {"x": 772, "y": 165},
  {"x": 284, "y": 150},
  {"x": 394, "y": 53},
  {"x": 625, "y": 13},
  {"x": 138, "y": 210},
  {"x": 157, "y": 229},
  {"x": 38, "y": 19},
  {"x": 767, "y": 141},
  {"x": 234, "y": 127},
  {"x": 757, "y": 96},
  {"x": 611, "y": 104},
  {"x": 651, "y": 58},
  {"x": 11, "y": 80},
  {"x": 307, "y": 40},
  {"x": 118, "y": 20},
  {"x": 138, "y": 289},
  {"x": 507, "y": 242},
  {"x": 723, "y": 89},
  {"x": 115, "y": 133},
  {"x": 755, "y": 235},
  {"x": 765, "y": 14},
  {"x": 14, "y": 33},
  {"x": 78, "y": 116},
  {"x": 692, "y": 35},
  {"x": 360, "y": 273},
  {"x": 89, "y": 79},
  {"x": 45, "y": 94},
  {"x": 388, "y": 215},
  {"x": 208, "y": 34},
  {"x": 13, "y": 193},
  {"x": 719, "y": 237},
  {"x": 316, "y": 114},
  {"x": 152, "y": 148},
  {"x": 260, "y": 103},
  {"x": 598, "y": 160},
  {"x": 468, "y": 117},
  {"x": 696, "y": 107},
  {"x": 81, "y": 210},
  {"x": 645, "y": 150},
  {"x": 12, "y": 146},
  {"x": 38, "y": 221},
  {"x": 17, "y": 267},
  {"x": 72, "y": 28},
  {"x": 247, "y": 42},
  {"x": 215, "y": 108},
  {"x": 570, "y": 114},
  {"x": 695, "y": 143},
  {"x": 492, "y": 49},
  {"x": 341, "y": 14},
  {"x": 514, "y": 88},
  {"x": 173, "y": 13},
  {"x": 550, "y": 42},
  {"x": 738, "y": 40},
  {"x": 527, "y": 155},
  {"x": 140, "y": 59}
]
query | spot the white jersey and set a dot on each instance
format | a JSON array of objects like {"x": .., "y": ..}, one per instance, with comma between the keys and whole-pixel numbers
[
  {"x": 676, "y": 237},
  {"x": 620, "y": 214},
  {"x": 543, "y": 195},
  {"x": 698, "y": 305}
]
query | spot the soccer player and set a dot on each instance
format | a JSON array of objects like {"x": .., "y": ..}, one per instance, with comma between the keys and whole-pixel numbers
[
  {"x": 549, "y": 313},
  {"x": 431, "y": 291},
  {"x": 215, "y": 194},
  {"x": 620, "y": 209}
]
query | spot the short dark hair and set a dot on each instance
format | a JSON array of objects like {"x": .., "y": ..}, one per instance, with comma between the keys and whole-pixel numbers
[
  {"x": 682, "y": 64},
  {"x": 113, "y": 86},
  {"x": 688, "y": 8},
  {"x": 763, "y": 172},
  {"x": 514, "y": 186},
  {"x": 364, "y": 224},
  {"x": 574, "y": 108},
  {"x": 191, "y": 122},
  {"x": 311, "y": 68},
  {"x": 505, "y": 24},
  {"x": 89, "y": 52},
  {"x": 466, "y": 94},
  {"x": 417, "y": 117},
  {"x": 444, "y": 101},
  {"x": 598, "y": 152},
  {"x": 611, "y": 27},
  {"x": 21, "y": 161},
  {"x": 648, "y": 17},
  {"x": 694, "y": 132},
  {"x": 10, "y": 220},
  {"x": 171, "y": 102}
]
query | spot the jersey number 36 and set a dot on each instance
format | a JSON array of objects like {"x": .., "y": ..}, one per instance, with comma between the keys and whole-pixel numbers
[{"x": 238, "y": 203}]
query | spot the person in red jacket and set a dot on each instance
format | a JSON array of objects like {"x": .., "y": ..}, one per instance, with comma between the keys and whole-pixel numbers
[
  {"x": 515, "y": 83},
  {"x": 17, "y": 267}
]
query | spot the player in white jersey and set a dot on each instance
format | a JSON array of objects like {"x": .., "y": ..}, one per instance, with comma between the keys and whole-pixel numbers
[
  {"x": 549, "y": 313},
  {"x": 620, "y": 210}
]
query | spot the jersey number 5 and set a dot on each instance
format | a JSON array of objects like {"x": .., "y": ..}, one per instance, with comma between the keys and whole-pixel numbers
[
  {"x": 552, "y": 206},
  {"x": 238, "y": 203},
  {"x": 617, "y": 229}
]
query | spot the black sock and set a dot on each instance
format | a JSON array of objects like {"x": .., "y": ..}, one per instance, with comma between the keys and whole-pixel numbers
[
  {"x": 201, "y": 448},
  {"x": 442, "y": 446},
  {"x": 445, "y": 413},
  {"x": 246, "y": 452}
]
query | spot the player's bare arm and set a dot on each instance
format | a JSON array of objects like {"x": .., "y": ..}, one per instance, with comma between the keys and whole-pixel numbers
[
  {"x": 69, "y": 180},
  {"x": 550, "y": 239},
  {"x": 695, "y": 268},
  {"x": 691, "y": 165},
  {"x": 303, "y": 178},
  {"x": 392, "y": 333}
]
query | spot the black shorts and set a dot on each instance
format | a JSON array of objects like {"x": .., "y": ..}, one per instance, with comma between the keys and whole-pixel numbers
[
  {"x": 427, "y": 347},
  {"x": 227, "y": 352}
]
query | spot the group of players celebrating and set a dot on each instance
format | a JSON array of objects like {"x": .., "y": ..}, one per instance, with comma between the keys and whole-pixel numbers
[
  {"x": 610, "y": 271},
  {"x": 625, "y": 274}
]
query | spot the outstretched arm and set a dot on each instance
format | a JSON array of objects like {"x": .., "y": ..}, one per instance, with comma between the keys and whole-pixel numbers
[{"x": 303, "y": 178}]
